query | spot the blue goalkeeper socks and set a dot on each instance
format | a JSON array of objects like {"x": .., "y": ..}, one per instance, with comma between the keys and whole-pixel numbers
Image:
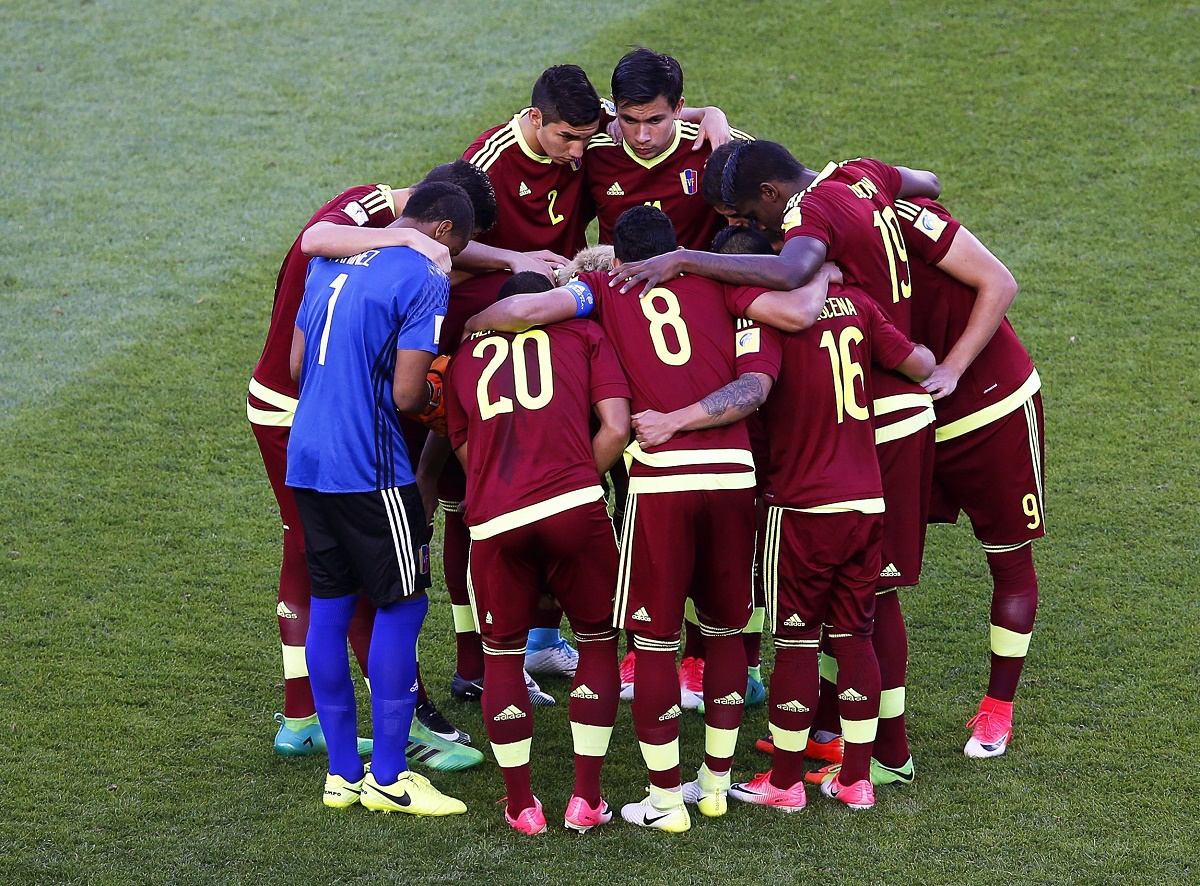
[
  {"x": 393, "y": 669},
  {"x": 332, "y": 686}
]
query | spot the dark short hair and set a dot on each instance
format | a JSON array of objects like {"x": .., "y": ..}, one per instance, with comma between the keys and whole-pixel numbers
[
  {"x": 710, "y": 183},
  {"x": 526, "y": 281},
  {"x": 643, "y": 75},
  {"x": 643, "y": 232},
  {"x": 565, "y": 94},
  {"x": 750, "y": 164},
  {"x": 478, "y": 186},
  {"x": 438, "y": 201},
  {"x": 741, "y": 240}
]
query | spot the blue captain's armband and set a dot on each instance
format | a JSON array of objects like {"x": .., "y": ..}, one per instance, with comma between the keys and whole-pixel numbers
[{"x": 584, "y": 300}]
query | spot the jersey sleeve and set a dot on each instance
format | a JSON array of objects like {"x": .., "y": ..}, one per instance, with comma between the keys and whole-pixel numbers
[
  {"x": 366, "y": 207},
  {"x": 753, "y": 350},
  {"x": 607, "y": 378},
  {"x": 739, "y": 298},
  {"x": 810, "y": 218},
  {"x": 889, "y": 346},
  {"x": 420, "y": 307},
  {"x": 928, "y": 228}
]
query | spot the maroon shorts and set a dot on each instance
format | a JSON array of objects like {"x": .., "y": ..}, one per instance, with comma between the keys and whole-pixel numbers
[
  {"x": 994, "y": 474},
  {"x": 906, "y": 467},
  {"x": 821, "y": 569},
  {"x": 697, "y": 543},
  {"x": 571, "y": 556},
  {"x": 272, "y": 443}
]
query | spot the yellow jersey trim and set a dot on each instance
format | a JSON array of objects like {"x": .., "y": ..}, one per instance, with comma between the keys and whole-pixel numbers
[
  {"x": 860, "y": 505},
  {"x": 886, "y": 405},
  {"x": 905, "y": 427},
  {"x": 532, "y": 513},
  {"x": 691, "y": 482},
  {"x": 267, "y": 418},
  {"x": 989, "y": 414},
  {"x": 677, "y": 458}
]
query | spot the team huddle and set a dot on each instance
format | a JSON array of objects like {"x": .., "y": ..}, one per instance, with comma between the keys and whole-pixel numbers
[{"x": 738, "y": 412}]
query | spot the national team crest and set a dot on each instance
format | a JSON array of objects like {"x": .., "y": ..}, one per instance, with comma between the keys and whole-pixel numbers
[{"x": 690, "y": 181}]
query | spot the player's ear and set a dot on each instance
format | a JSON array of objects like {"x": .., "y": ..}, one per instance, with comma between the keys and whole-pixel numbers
[
  {"x": 535, "y": 117},
  {"x": 679, "y": 107},
  {"x": 768, "y": 192},
  {"x": 443, "y": 230}
]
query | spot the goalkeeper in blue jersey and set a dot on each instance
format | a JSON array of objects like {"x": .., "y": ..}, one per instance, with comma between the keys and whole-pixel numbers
[{"x": 365, "y": 336}]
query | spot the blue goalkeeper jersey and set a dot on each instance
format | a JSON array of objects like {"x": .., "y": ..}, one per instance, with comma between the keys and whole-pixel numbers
[{"x": 357, "y": 312}]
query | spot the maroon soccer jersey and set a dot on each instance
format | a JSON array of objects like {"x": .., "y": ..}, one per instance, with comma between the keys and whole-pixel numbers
[
  {"x": 941, "y": 310},
  {"x": 367, "y": 206},
  {"x": 850, "y": 208},
  {"x": 523, "y": 403},
  {"x": 678, "y": 344},
  {"x": 818, "y": 419},
  {"x": 540, "y": 204},
  {"x": 618, "y": 179}
]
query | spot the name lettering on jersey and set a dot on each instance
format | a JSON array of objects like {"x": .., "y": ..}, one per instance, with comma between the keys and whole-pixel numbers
[
  {"x": 864, "y": 188},
  {"x": 615, "y": 190},
  {"x": 523, "y": 191},
  {"x": 791, "y": 213},
  {"x": 362, "y": 260},
  {"x": 355, "y": 211},
  {"x": 748, "y": 341},
  {"x": 837, "y": 307},
  {"x": 929, "y": 225},
  {"x": 690, "y": 180}
]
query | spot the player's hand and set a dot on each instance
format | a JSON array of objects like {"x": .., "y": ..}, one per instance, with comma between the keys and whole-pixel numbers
[
  {"x": 614, "y": 130},
  {"x": 832, "y": 273},
  {"x": 650, "y": 272},
  {"x": 541, "y": 261},
  {"x": 714, "y": 129},
  {"x": 942, "y": 382},
  {"x": 430, "y": 248},
  {"x": 653, "y": 428}
]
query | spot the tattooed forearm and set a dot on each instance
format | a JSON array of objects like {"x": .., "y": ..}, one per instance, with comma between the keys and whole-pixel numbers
[{"x": 744, "y": 395}]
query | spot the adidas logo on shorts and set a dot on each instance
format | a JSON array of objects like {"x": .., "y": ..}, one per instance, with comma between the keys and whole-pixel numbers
[
  {"x": 641, "y": 615},
  {"x": 731, "y": 698},
  {"x": 852, "y": 694},
  {"x": 890, "y": 571},
  {"x": 615, "y": 190},
  {"x": 487, "y": 619},
  {"x": 794, "y": 706},
  {"x": 582, "y": 691},
  {"x": 795, "y": 621},
  {"x": 671, "y": 714},
  {"x": 512, "y": 712}
]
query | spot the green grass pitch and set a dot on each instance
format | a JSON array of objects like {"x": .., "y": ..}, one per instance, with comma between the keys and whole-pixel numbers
[{"x": 157, "y": 161}]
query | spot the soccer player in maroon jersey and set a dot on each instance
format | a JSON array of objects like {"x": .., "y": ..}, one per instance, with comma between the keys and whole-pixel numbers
[
  {"x": 653, "y": 162},
  {"x": 512, "y": 399},
  {"x": 689, "y": 524},
  {"x": 823, "y": 532},
  {"x": 845, "y": 213},
  {"x": 989, "y": 457},
  {"x": 356, "y": 220}
]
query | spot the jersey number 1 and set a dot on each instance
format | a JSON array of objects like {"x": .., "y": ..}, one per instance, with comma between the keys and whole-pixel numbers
[
  {"x": 338, "y": 282},
  {"x": 897, "y": 254}
]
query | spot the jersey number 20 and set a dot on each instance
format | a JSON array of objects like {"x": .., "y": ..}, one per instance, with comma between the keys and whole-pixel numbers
[{"x": 489, "y": 408}]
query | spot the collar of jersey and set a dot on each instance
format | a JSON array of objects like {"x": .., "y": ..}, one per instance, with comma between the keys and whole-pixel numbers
[
  {"x": 829, "y": 169},
  {"x": 654, "y": 161},
  {"x": 515, "y": 125}
]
